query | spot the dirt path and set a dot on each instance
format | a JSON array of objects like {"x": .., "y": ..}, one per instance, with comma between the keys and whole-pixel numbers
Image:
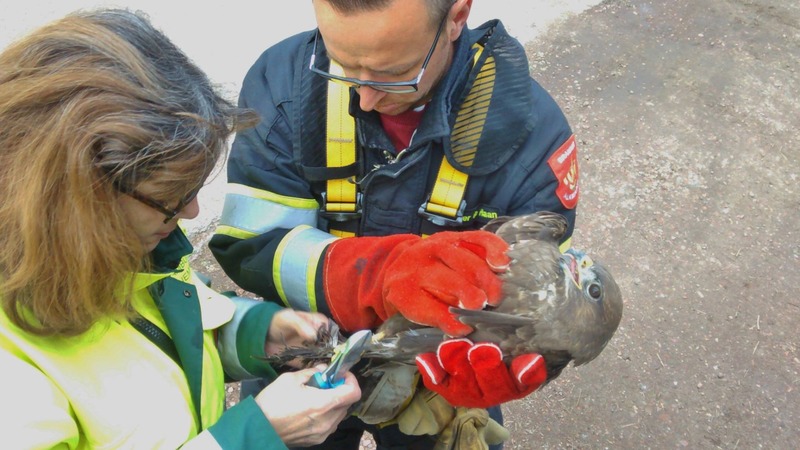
[{"x": 688, "y": 119}]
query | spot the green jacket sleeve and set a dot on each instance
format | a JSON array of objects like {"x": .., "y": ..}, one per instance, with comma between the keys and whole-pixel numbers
[
  {"x": 243, "y": 426},
  {"x": 241, "y": 341}
]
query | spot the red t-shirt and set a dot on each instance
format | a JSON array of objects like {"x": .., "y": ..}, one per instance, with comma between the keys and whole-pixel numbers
[{"x": 401, "y": 127}]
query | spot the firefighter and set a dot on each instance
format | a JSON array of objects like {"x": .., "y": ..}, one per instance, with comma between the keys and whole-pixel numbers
[
  {"x": 389, "y": 122},
  {"x": 108, "y": 339}
]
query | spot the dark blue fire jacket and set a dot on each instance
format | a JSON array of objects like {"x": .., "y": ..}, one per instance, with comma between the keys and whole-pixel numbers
[{"x": 272, "y": 237}]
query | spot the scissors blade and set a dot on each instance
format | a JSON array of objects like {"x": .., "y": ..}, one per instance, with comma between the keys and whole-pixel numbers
[{"x": 344, "y": 360}]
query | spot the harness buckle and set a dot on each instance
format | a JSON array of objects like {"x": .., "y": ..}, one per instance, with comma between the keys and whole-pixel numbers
[
  {"x": 441, "y": 220},
  {"x": 338, "y": 212}
]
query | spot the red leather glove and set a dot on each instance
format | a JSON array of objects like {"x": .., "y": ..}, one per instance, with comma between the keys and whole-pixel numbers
[
  {"x": 368, "y": 279},
  {"x": 475, "y": 376}
]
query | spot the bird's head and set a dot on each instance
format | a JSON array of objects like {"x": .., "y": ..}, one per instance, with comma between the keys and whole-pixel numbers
[{"x": 599, "y": 301}]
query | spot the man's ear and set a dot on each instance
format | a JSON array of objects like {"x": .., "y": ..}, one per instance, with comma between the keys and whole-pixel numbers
[{"x": 457, "y": 18}]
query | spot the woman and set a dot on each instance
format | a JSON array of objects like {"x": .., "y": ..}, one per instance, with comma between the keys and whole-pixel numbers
[{"x": 107, "y": 338}]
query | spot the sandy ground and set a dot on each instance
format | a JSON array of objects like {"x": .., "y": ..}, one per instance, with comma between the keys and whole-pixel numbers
[{"x": 687, "y": 115}]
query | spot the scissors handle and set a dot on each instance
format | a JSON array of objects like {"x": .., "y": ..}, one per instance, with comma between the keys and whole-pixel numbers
[
  {"x": 333, "y": 376},
  {"x": 320, "y": 380}
]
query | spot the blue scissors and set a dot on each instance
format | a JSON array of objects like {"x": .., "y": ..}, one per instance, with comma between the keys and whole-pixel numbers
[{"x": 342, "y": 361}]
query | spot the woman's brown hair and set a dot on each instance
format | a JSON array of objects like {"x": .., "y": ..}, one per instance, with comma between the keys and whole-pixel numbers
[{"x": 91, "y": 105}]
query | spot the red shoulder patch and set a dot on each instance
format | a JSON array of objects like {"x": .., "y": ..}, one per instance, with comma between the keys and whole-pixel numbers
[{"x": 564, "y": 164}]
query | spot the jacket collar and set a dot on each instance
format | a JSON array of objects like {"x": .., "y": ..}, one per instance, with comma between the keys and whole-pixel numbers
[
  {"x": 169, "y": 258},
  {"x": 171, "y": 250},
  {"x": 510, "y": 118}
]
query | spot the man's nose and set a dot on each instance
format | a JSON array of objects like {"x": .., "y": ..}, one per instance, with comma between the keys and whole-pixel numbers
[{"x": 369, "y": 98}]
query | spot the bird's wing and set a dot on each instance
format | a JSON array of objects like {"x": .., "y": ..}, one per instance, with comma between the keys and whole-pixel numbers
[
  {"x": 516, "y": 335},
  {"x": 541, "y": 226},
  {"x": 411, "y": 343},
  {"x": 533, "y": 247},
  {"x": 505, "y": 330},
  {"x": 485, "y": 317},
  {"x": 534, "y": 267}
]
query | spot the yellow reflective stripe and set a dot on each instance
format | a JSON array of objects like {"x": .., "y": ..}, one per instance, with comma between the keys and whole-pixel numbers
[
  {"x": 341, "y": 145},
  {"x": 295, "y": 265},
  {"x": 249, "y": 212},
  {"x": 233, "y": 232},
  {"x": 340, "y": 233},
  {"x": 479, "y": 50},
  {"x": 292, "y": 202},
  {"x": 468, "y": 127},
  {"x": 447, "y": 191},
  {"x": 565, "y": 245},
  {"x": 340, "y": 207},
  {"x": 276, "y": 267}
]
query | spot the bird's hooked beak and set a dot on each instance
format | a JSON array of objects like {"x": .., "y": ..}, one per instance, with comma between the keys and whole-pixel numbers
[{"x": 574, "y": 261}]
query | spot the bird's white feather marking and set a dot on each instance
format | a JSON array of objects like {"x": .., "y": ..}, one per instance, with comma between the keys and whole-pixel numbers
[{"x": 548, "y": 294}]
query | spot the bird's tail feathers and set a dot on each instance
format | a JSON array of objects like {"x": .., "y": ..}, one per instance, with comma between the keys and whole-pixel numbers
[
  {"x": 419, "y": 336},
  {"x": 406, "y": 345}
]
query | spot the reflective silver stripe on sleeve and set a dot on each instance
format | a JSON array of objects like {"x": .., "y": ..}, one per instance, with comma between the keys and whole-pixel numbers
[
  {"x": 249, "y": 212},
  {"x": 295, "y": 266},
  {"x": 226, "y": 341}
]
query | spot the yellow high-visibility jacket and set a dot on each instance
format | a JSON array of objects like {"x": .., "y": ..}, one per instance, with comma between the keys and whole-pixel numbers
[{"x": 113, "y": 387}]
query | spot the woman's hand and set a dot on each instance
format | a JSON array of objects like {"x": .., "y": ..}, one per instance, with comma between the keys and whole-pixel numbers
[
  {"x": 303, "y": 415},
  {"x": 293, "y": 329}
]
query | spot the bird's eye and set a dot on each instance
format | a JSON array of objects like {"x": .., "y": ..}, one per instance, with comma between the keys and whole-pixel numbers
[{"x": 595, "y": 291}]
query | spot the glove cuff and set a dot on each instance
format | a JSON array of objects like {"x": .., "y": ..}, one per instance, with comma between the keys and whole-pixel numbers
[{"x": 353, "y": 270}]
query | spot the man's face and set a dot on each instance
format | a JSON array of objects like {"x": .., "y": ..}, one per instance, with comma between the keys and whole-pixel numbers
[{"x": 387, "y": 45}]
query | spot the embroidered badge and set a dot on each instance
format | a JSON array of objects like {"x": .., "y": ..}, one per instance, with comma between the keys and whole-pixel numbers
[{"x": 564, "y": 164}]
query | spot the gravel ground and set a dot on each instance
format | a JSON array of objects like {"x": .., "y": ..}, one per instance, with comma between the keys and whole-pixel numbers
[{"x": 687, "y": 117}]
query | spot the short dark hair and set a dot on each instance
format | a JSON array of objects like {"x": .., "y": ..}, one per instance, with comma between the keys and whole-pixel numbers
[{"x": 436, "y": 8}]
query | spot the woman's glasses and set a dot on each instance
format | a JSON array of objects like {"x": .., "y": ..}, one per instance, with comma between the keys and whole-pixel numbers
[{"x": 170, "y": 213}]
